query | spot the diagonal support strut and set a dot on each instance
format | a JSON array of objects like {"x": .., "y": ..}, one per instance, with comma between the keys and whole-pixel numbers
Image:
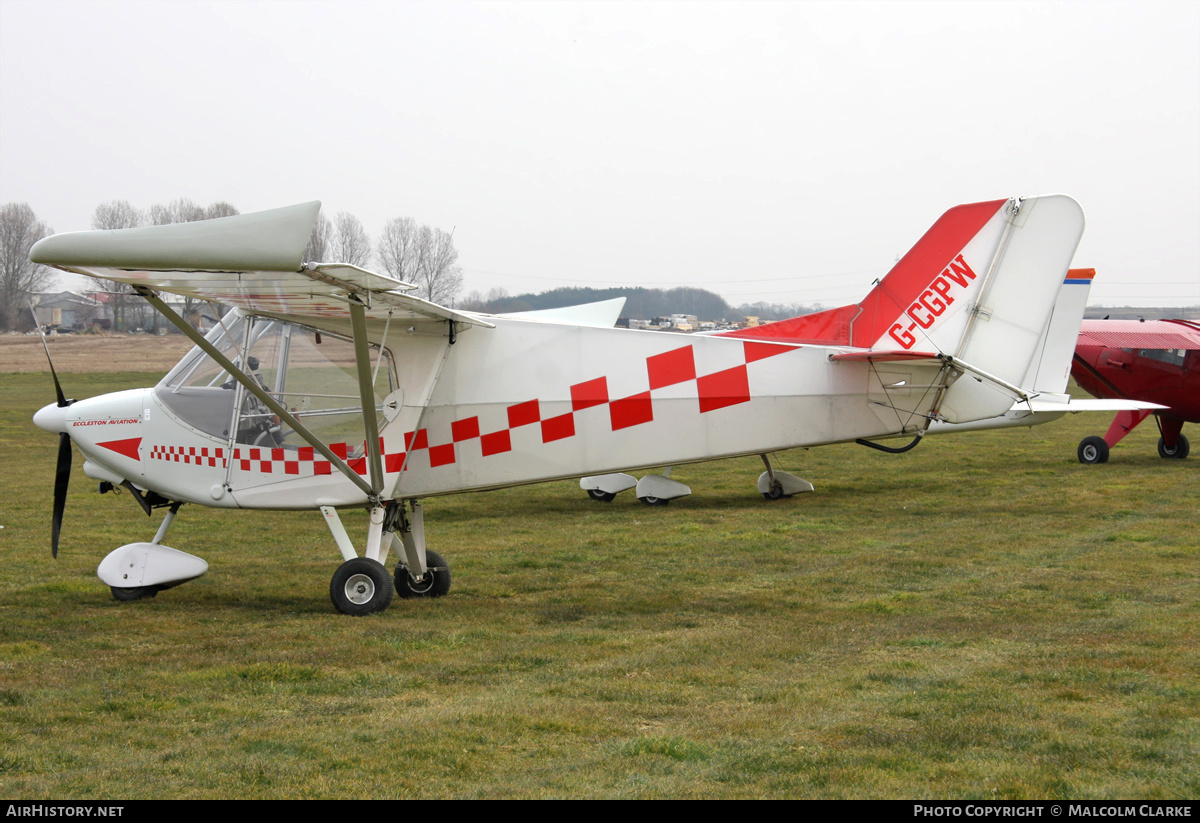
[{"x": 258, "y": 391}]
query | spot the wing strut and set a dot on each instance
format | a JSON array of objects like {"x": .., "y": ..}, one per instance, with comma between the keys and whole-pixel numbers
[
  {"x": 362, "y": 358},
  {"x": 270, "y": 402}
]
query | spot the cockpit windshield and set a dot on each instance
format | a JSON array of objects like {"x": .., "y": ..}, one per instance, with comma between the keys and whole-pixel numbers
[{"x": 311, "y": 373}]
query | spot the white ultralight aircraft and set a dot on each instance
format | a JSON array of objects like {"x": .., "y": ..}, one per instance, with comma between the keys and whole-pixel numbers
[{"x": 328, "y": 387}]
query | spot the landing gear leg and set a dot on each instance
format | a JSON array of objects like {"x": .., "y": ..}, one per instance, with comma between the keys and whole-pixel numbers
[
  {"x": 774, "y": 487},
  {"x": 361, "y": 585},
  {"x": 420, "y": 572}
]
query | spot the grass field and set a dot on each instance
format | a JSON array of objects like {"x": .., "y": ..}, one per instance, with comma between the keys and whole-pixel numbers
[{"x": 982, "y": 617}]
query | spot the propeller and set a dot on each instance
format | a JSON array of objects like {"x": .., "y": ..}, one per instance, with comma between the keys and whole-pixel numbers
[
  {"x": 62, "y": 479},
  {"x": 62, "y": 471}
]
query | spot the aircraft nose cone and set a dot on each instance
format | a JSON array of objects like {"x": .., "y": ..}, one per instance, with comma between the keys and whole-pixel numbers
[{"x": 52, "y": 418}]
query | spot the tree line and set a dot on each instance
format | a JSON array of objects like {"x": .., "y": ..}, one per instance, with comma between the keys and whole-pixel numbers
[{"x": 406, "y": 250}]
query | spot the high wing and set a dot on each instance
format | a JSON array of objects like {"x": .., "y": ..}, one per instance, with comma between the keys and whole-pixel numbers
[{"x": 252, "y": 261}]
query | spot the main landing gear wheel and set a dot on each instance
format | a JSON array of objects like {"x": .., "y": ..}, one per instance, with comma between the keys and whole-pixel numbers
[
  {"x": 361, "y": 586},
  {"x": 1182, "y": 447},
  {"x": 775, "y": 492},
  {"x": 128, "y": 595},
  {"x": 1093, "y": 450},
  {"x": 602, "y": 496},
  {"x": 434, "y": 583},
  {"x": 655, "y": 501}
]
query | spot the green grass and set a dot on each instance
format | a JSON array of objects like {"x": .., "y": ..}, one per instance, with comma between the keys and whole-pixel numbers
[{"x": 982, "y": 617}]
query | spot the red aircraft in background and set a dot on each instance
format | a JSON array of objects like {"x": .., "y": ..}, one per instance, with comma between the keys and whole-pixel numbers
[{"x": 1155, "y": 361}]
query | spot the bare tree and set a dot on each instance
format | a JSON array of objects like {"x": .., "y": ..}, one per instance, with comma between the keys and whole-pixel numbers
[
  {"x": 118, "y": 214},
  {"x": 398, "y": 252},
  {"x": 423, "y": 256},
  {"x": 179, "y": 210},
  {"x": 438, "y": 275},
  {"x": 473, "y": 301},
  {"x": 20, "y": 278},
  {"x": 351, "y": 243},
  {"x": 220, "y": 209},
  {"x": 320, "y": 242}
]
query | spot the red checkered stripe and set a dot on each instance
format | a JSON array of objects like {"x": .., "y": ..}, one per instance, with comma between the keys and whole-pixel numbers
[
  {"x": 302, "y": 461},
  {"x": 306, "y": 461},
  {"x": 194, "y": 455},
  {"x": 718, "y": 390}
]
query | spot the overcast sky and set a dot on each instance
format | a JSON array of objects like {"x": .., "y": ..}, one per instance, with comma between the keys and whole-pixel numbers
[{"x": 784, "y": 152}]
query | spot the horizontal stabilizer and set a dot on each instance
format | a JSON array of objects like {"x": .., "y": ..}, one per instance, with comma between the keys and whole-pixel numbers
[
  {"x": 1076, "y": 405},
  {"x": 873, "y": 356}
]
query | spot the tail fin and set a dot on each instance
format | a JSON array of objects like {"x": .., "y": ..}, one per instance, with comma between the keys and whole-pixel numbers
[
  {"x": 988, "y": 308},
  {"x": 1021, "y": 258},
  {"x": 980, "y": 286},
  {"x": 920, "y": 294}
]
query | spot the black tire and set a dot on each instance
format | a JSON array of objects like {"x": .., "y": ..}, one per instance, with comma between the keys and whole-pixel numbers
[
  {"x": 775, "y": 492},
  {"x": 361, "y": 586},
  {"x": 602, "y": 496},
  {"x": 128, "y": 595},
  {"x": 655, "y": 501},
  {"x": 1092, "y": 450},
  {"x": 1182, "y": 447},
  {"x": 434, "y": 583}
]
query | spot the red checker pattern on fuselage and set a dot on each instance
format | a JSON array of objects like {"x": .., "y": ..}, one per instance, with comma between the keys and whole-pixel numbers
[{"x": 719, "y": 390}]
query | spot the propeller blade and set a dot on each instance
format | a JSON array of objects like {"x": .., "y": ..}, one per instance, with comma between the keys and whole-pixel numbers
[
  {"x": 62, "y": 398},
  {"x": 62, "y": 478}
]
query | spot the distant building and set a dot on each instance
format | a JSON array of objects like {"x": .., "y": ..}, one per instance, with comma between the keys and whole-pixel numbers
[
  {"x": 684, "y": 322},
  {"x": 68, "y": 310}
]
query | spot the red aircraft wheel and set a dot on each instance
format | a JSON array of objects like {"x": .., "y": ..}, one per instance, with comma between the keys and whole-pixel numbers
[
  {"x": 1093, "y": 450},
  {"x": 1182, "y": 447}
]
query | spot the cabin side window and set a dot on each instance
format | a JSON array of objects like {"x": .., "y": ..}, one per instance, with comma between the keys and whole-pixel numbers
[
  {"x": 311, "y": 373},
  {"x": 1173, "y": 357}
]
